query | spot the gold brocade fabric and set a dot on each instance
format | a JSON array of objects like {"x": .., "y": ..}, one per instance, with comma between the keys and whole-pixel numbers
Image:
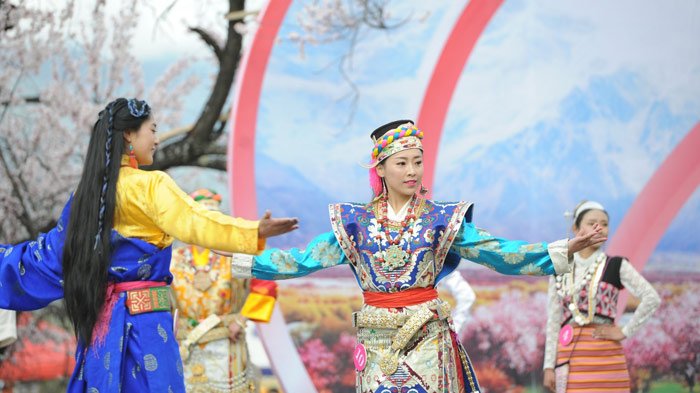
[
  {"x": 220, "y": 365},
  {"x": 151, "y": 207},
  {"x": 429, "y": 358}
]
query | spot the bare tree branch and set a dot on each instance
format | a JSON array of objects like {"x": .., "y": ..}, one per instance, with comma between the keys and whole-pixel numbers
[
  {"x": 212, "y": 162},
  {"x": 240, "y": 15},
  {"x": 216, "y": 150},
  {"x": 163, "y": 14},
  {"x": 332, "y": 21},
  {"x": 23, "y": 216},
  {"x": 209, "y": 40},
  {"x": 26, "y": 100},
  {"x": 188, "y": 150},
  {"x": 178, "y": 131}
]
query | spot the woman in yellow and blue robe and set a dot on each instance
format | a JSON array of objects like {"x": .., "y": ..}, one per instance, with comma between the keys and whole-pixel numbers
[{"x": 109, "y": 258}]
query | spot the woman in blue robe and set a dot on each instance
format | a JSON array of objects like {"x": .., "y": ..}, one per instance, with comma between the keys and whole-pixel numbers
[{"x": 109, "y": 258}]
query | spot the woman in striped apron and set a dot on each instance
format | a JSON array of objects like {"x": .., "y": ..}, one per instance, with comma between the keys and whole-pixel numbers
[{"x": 583, "y": 350}]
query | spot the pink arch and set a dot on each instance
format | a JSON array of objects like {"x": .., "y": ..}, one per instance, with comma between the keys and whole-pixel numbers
[
  {"x": 244, "y": 111},
  {"x": 658, "y": 203},
  {"x": 241, "y": 148},
  {"x": 279, "y": 346},
  {"x": 443, "y": 82},
  {"x": 635, "y": 238}
]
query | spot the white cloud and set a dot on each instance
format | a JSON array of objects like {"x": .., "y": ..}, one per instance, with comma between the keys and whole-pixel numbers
[{"x": 539, "y": 52}]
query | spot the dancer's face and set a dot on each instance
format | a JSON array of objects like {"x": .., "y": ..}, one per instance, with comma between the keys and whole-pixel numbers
[
  {"x": 144, "y": 140},
  {"x": 403, "y": 172},
  {"x": 590, "y": 219}
]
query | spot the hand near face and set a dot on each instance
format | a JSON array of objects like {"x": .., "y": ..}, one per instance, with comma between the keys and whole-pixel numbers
[{"x": 587, "y": 238}]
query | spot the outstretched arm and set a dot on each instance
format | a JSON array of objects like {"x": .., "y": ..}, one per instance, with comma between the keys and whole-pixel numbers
[
  {"x": 517, "y": 257},
  {"x": 176, "y": 214},
  {"x": 275, "y": 264},
  {"x": 512, "y": 257},
  {"x": 31, "y": 273}
]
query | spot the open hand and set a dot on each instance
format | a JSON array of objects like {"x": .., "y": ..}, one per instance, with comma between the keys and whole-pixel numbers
[
  {"x": 608, "y": 332},
  {"x": 586, "y": 239},
  {"x": 549, "y": 380},
  {"x": 235, "y": 331},
  {"x": 270, "y": 227}
]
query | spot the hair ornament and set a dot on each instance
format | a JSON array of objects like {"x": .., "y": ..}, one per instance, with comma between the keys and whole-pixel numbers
[{"x": 138, "y": 108}]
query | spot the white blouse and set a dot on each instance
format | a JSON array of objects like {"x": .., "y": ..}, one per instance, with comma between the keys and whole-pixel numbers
[
  {"x": 638, "y": 286},
  {"x": 8, "y": 327}
]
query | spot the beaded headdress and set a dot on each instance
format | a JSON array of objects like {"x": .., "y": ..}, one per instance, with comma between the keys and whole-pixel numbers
[
  {"x": 404, "y": 137},
  {"x": 205, "y": 193},
  {"x": 209, "y": 198}
]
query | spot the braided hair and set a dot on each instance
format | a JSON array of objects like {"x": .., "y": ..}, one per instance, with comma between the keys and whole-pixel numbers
[{"x": 87, "y": 251}]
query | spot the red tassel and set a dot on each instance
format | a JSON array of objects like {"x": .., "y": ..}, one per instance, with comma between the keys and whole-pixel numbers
[{"x": 132, "y": 158}]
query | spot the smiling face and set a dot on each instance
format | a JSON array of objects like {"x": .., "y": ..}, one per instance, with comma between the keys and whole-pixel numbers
[
  {"x": 144, "y": 140},
  {"x": 403, "y": 172}
]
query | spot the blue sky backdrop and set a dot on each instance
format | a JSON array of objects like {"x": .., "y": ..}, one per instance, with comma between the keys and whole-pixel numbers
[{"x": 557, "y": 103}]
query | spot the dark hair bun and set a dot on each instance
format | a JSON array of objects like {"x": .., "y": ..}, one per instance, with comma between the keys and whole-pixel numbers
[{"x": 380, "y": 131}]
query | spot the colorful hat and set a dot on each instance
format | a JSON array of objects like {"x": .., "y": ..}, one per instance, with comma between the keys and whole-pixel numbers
[
  {"x": 394, "y": 137},
  {"x": 205, "y": 194}
]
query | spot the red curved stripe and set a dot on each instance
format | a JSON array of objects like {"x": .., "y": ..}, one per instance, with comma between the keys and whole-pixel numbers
[
  {"x": 279, "y": 346},
  {"x": 658, "y": 203},
  {"x": 244, "y": 111},
  {"x": 452, "y": 60}
]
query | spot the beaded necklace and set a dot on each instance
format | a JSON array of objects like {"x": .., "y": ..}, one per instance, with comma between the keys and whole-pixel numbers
[
  {"x": 395, "y": 257},
  {"x": 592, "y": 277}
]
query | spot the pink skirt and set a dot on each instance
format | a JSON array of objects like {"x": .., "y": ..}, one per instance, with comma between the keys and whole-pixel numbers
[{"x": 594, "y": 365}]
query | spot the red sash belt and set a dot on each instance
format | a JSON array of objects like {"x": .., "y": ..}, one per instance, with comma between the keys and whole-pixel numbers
[
  {"x": 142, "y": 296},
  {"x": 410, "y": 297},
  {"x": 120, "y": 287}
]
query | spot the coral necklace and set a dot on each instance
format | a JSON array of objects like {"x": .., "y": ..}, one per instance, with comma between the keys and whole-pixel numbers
[{"x": 395, "y": 256}]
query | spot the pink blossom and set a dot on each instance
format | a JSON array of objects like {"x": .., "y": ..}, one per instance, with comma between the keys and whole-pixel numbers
[
  {"x": 509, "y": 333},
  {"x": 320, "y": 362},
  {"x": 68, "y": 69}
]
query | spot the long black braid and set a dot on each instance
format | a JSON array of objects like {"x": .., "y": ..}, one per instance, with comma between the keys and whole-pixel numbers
[{"x": 87, "y": 251}]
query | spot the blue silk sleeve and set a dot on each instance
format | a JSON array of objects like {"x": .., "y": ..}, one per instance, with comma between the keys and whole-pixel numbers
[
  {"x": 31, "y": 273},
  {"x": 275, "y": 264},
  {"x": 510, "y": 257}
]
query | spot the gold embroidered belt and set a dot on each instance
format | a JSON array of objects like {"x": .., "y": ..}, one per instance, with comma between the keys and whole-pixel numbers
[
  {"x": 373, "y": 320},
  {"x": 407, "y": 325}
]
